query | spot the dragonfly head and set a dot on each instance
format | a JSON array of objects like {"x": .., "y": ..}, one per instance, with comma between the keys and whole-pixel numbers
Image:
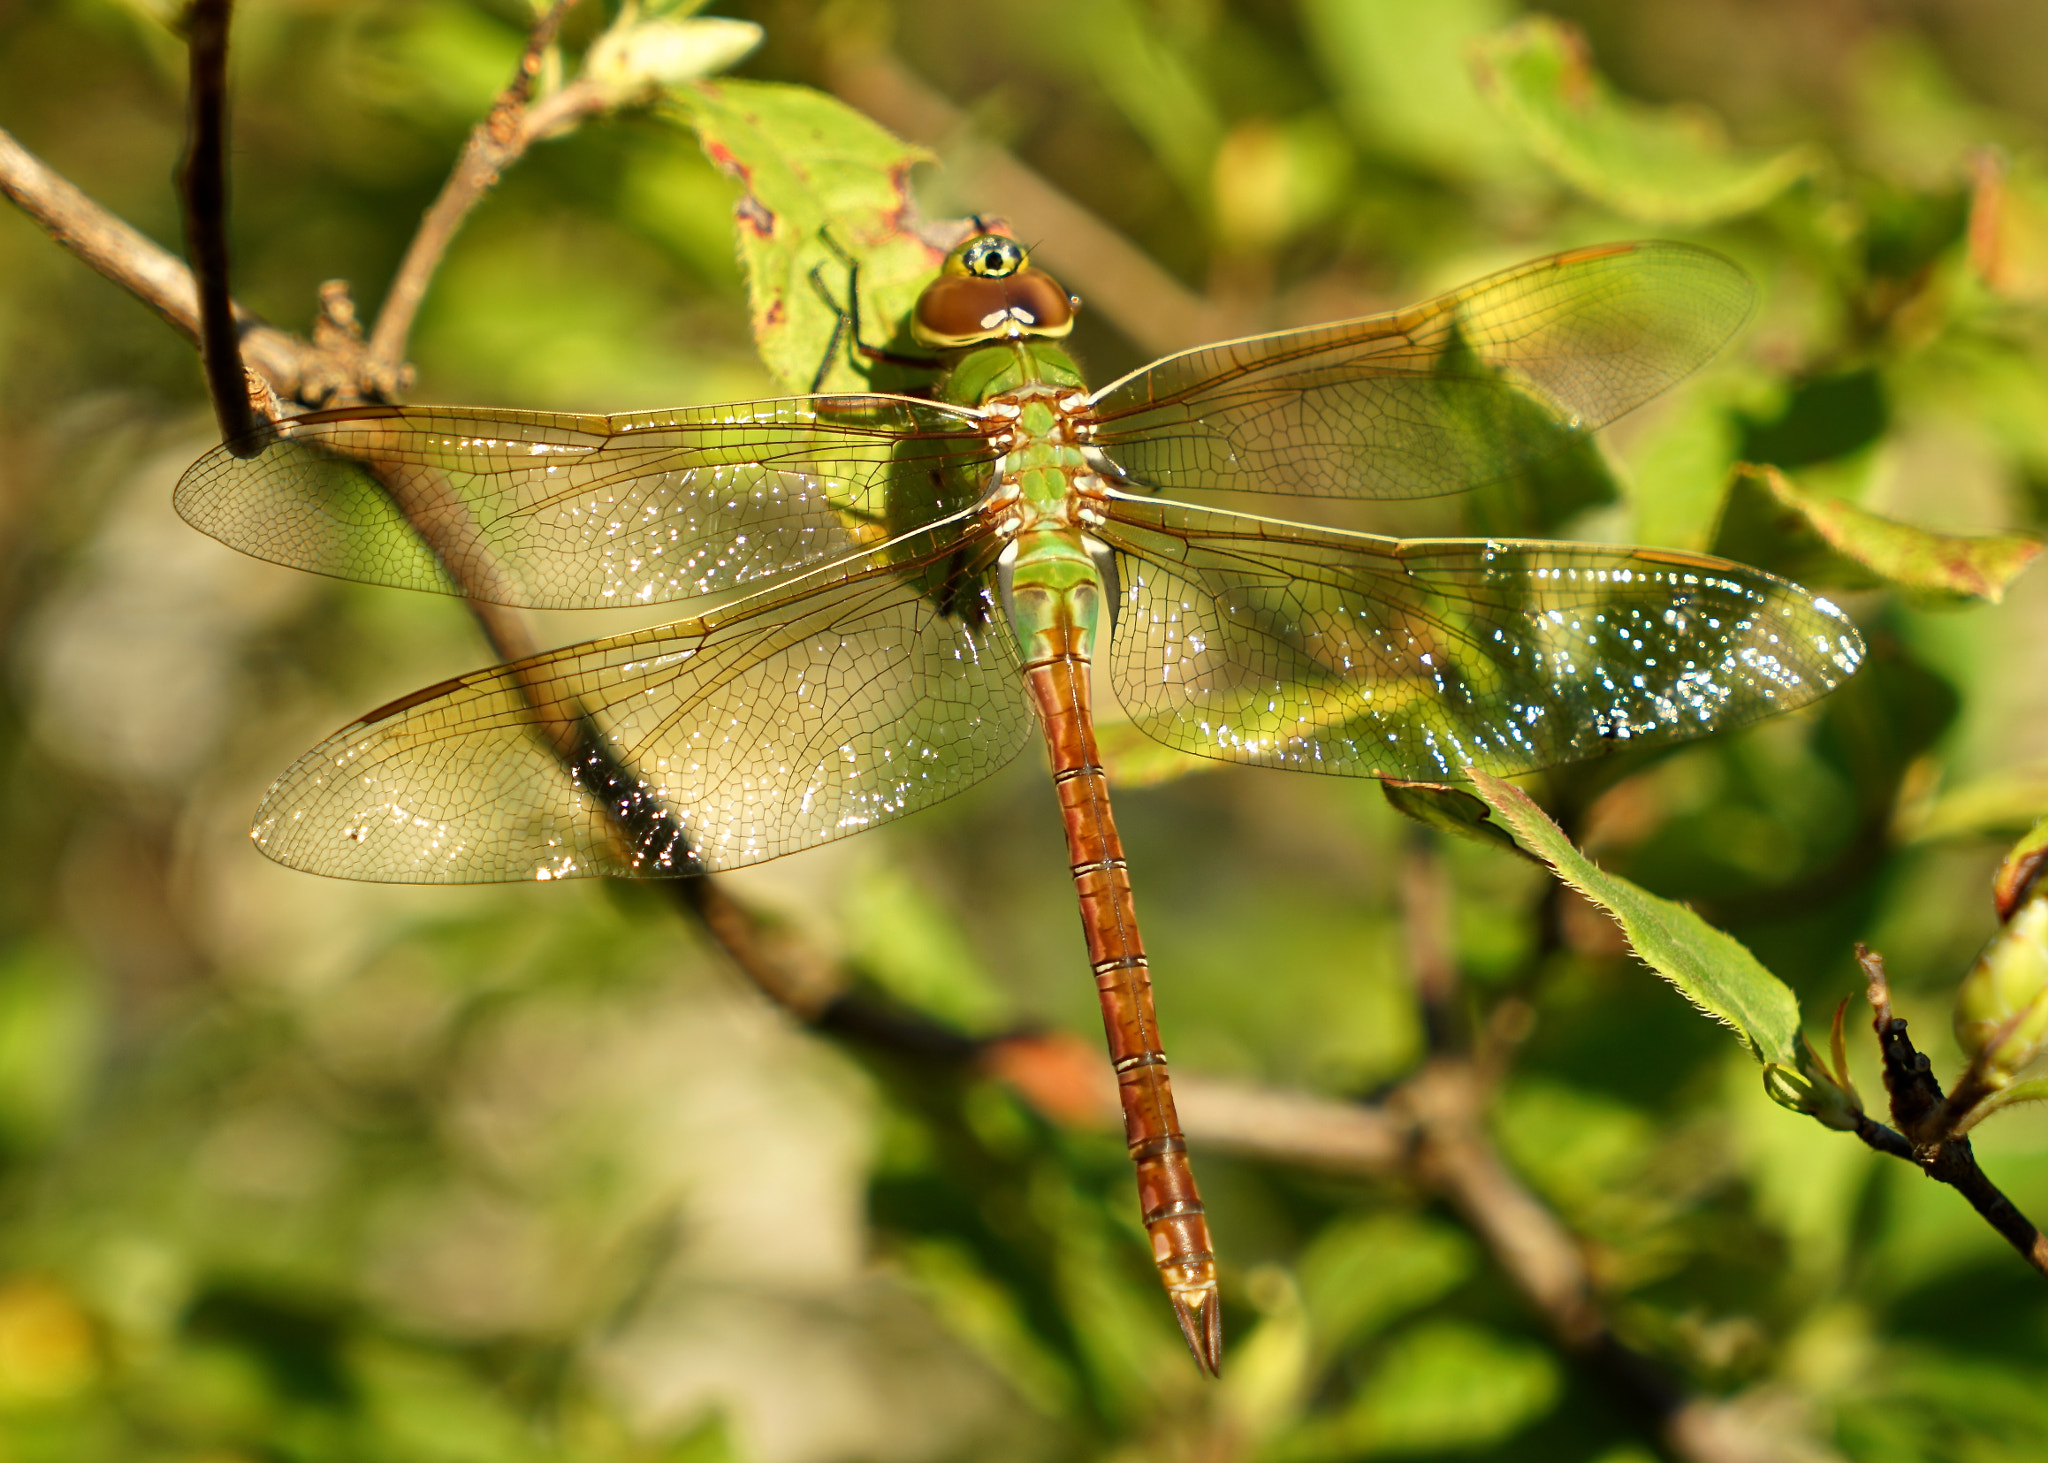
[{"x": 988, "y": 290}]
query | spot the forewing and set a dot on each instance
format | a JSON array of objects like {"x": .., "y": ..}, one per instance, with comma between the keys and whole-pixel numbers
[
  {"x": 1255, "y": 641},
  {"x": 1461, "y": 390},
  {"x": 707, "y": 744},
  {"x": 553, "y": 511}
]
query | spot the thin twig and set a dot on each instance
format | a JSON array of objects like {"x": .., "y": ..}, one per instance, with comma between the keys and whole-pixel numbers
[{"x": 495, "y": 143}]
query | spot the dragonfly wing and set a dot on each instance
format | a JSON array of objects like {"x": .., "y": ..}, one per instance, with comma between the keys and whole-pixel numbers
[
  {"x": 1435, "y": 398},
  {"x": 554, "y": 511},
  {"x": 707, "y": 744},
  {"x": 1255, "y": 641}
]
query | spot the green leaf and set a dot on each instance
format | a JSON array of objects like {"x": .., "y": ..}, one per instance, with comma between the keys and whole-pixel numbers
[
  {"x": 2001, "y": 1013},
  {"x": 910, "y": 945},
  {"x": 1708, "y": 967},
  {"x": 1160, "y": 94},
  {"x": 1448, "y": 1385},
  {"x": 2006, "y": 801},
  {"x": 1400, "y": 72},
  {"x": 1681, "y": 460},
  {"x": 2034, "y": 1089},
  {"x": 1449, "y": 810},
  {"x": 809, "y": 162},
  {"x": 2020, "y": 872},
  {"x": 1771, "y": 523},
  {"x": 1664, "y": 165},
  {"x": 1361, "y": 1274},
  {"x": 986, "y": 1316},
  {"x": 50, "y": 1036}
]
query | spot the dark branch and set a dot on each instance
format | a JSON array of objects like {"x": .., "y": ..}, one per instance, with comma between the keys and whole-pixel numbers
[
  {"x": 1927, "y": 1122},
  {"x": 203, "y": 190}
]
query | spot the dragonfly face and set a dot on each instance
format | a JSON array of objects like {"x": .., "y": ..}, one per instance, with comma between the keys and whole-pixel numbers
[
  {"x": 988, "y": 290},
  {"x": 928, "y": 579}
]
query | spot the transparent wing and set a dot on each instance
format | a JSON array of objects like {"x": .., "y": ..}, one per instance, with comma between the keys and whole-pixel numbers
[
  {"x": 1255, "y": 641},
  {"x": 707, "y": 744},
  {"x": 553, "y": 511},
  {"x": 1460, "y": 390}
]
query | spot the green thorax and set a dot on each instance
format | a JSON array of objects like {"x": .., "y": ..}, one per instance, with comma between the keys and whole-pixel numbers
[
  {"x": 1053, "y": 590},
  {"x": 1006, "y": 366}
]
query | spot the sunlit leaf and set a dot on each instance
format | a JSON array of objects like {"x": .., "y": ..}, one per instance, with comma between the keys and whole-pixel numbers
[
  {"x": 1770, "y": 522},
  {"x": 1665, "y": 165},
  {"x": 636, "y": 56},
  {"x": 1272, "y": 1368},
  {"x": 1708, "y": 967},
  {"x": 906, "y": 940},
  {"x": 811, "y": 164}
]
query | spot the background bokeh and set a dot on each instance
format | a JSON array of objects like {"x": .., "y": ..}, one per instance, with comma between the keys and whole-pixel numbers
[{"x": 299, "y": 1170}]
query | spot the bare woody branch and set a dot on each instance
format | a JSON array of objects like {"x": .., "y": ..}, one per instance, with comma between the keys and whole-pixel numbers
[
  {"x": 137, "y": 263},
  {"x": 203, "y": 187}
]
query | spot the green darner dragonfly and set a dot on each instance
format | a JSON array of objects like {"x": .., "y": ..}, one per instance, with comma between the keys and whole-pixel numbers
[{"x": 931, "y": 577}]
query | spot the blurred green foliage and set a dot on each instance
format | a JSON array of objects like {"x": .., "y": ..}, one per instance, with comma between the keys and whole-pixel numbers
[{"x": 302, "y": 1171}]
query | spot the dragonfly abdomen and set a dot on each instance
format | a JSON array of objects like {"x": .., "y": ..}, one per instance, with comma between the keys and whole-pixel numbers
[{"x": 1056, "y": 676}]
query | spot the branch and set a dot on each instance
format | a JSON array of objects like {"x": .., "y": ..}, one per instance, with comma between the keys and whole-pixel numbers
[
  {"x": 495, "y": 143},
  {"x": 132, "y": 260},
  {"x": 1926, "y": 1122},
  {"x": 203, "y": 190}
]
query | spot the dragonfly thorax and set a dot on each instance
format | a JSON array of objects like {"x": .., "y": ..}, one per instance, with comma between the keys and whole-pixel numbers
[{"x": 1047, "y": 475}]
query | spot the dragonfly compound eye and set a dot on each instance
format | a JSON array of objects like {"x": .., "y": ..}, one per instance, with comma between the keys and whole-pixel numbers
[{"x": 989, "y": 291}]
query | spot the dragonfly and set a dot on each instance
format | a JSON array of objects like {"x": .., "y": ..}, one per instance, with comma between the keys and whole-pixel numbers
[{"x": 916, "y": 587}]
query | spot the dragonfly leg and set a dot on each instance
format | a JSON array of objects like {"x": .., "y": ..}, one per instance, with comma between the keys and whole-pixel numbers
[
  {"x": 846, "y": 332},
  {"x": 1169, "y": 1201}
]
